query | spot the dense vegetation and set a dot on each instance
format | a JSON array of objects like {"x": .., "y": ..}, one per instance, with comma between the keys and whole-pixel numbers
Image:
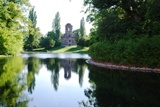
[
  {"x": 126, "y": 32},
  {"x": 12, "y": 23}
]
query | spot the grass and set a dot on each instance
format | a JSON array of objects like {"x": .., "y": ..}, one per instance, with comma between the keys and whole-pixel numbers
[
  {"x": 69, "y": 49},
  {"x": 63, "y": 49},
  {"x": 3, "y": 56}
]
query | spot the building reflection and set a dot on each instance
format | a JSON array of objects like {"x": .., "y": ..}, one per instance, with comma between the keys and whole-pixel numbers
[{"x": 68, "y": 65}]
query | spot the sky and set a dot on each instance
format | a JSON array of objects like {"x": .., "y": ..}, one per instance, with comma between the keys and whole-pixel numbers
[{"x": 70, "y": 12}]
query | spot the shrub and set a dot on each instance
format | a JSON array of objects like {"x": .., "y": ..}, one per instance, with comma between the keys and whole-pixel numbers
[{"x": 142, "y": 51}]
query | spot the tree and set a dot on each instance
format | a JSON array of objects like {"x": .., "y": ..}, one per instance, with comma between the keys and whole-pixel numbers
[
  {"x": 56, "y": 26},
  {"x": 52, "y": 35},
  {"x": 82, "y": 27},
  {"x": 11, "y": 18},
  {"x": 47, "y": 43},
  {"x": 77, "y": 34},
  {"x": 34, "y": 33}
]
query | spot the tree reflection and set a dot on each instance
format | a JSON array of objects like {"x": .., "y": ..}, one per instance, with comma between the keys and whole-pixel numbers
[
  {"x": 12, "y": 83},
  {"x": 53, "y": 65},
  {"x": 123, "y": 88},
  {"x": 82, "y": 66},
  {"x": 70, "y": 65},
  {"x": 33, "y": 68}
]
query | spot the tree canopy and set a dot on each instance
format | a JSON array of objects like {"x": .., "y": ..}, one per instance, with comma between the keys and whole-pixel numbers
[
  {"x": 11, "y": 38},
  {"x": 33, "y": 40},
  {"x": 82, "y": 27},
  {"x": 122, "y": 27}
]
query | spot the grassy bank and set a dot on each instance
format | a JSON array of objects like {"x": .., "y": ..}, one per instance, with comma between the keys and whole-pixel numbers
[
  {"x": 64, "y": 49},
  {"x": 2, "y": 56},
  {"x": 69, "y": 49}
]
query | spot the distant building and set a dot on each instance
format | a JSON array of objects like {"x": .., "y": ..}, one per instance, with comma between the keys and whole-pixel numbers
[{"x": 68, "y": 38}]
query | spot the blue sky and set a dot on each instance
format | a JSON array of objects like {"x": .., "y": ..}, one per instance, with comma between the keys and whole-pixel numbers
[{"x": 70, "y": 12}]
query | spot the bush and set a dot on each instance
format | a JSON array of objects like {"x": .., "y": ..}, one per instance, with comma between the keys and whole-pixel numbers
[
  {"x": 142, "y": 51},
  {"x": 83, "y": 42},
  {"x": 47, "y": 43}
]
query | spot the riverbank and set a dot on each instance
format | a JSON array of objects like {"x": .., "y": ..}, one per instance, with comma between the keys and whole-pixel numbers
[{"x": 121, "y": 67}]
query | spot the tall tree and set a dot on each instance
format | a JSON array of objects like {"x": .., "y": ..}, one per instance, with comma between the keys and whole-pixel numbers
[
  {"x": 34, "y": 33},
  {"x": 33, "y": 17},
  {"x": 77, "y": 34},
  {"x": 82, "y": 27},
  {"x": 11, "y": 18},
  {"x": 56, "y": 24},
  {"x": 56, "y": 29}
]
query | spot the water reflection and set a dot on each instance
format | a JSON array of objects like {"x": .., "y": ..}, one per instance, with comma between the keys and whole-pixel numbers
[
  {"x": 68, "y": 65},
  {"x": 112, "y": 88},
  {"x": 33, "y": 67},
  {"x": 60, "y": 82},
  {"x": 12, "y": 83}
]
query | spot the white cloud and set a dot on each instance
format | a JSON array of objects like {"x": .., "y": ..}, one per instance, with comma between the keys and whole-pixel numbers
[{"x": 69, "y": 13}]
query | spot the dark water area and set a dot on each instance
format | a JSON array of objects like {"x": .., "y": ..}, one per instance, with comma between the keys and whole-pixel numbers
[{"x": 66, "y": 80}]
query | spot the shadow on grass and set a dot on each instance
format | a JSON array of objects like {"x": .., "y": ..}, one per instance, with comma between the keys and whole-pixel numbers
[
  {"x": 57, "y": 48},
  {"x": 74, "y": 49},
  {"x": 82, "y": 52}
]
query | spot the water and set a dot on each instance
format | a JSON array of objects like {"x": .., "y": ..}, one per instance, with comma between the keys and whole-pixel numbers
[{"x": 65, "y": 80}]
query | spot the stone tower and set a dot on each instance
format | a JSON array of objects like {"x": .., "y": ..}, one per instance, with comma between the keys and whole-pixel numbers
[{"x": 68, "y": 38}]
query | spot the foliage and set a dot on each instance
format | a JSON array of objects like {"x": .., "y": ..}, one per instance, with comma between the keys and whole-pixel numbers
[
  {"x": 10, "y": 43},
  {"x": 33, "y": 39},
  {"x": 11, "y": 38},
  {"x": 47, "y": 43},
  {"x": 82, "y": 28},
  {"x": 83, "y": 42},
  {"x": 77, "y": 34},
  {"x": 54, "y": 37},
  {"x": 129, "y": 52},
  {"x": 56, "y": 23},
  {"x": 56, "y": 30},
  {"x": 122, "y": 28}
]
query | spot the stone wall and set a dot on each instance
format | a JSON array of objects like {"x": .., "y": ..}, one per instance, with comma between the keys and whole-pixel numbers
[{"x": 68, "y": 39}]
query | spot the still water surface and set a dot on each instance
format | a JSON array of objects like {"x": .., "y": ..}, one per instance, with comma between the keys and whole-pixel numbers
[{"x": 65, "y": 80}]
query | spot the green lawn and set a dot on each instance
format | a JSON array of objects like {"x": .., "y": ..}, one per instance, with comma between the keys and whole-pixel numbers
[
  {"x": 3, "y": 56},
  {"x": 69, "y": 49}
]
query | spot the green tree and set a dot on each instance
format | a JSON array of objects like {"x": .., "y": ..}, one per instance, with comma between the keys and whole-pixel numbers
[
  {"x": 11, "y": 18},
  {"x": 52, "y": 35},
  {"x": 122, "y": 28},
  {"x": 47, "y": 43},
  {"x": 34, "y": 33},
  {"x": 83, "y": 42},
  {"x": 82, "y": 27},
  {"x": 77, "y": 34},
  {"x": 56, "y": 28},
  {"x": 56, "y": 23}
]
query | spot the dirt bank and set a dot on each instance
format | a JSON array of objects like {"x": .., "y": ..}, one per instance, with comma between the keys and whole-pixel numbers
[{"x": 122, "y": 67}]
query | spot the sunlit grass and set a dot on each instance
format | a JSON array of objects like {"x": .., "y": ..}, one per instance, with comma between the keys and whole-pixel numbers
[
  {"x": 63, "y": 49},
  {"x": 69, "y": 49},
  {"x": 2, "y": 56}
]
